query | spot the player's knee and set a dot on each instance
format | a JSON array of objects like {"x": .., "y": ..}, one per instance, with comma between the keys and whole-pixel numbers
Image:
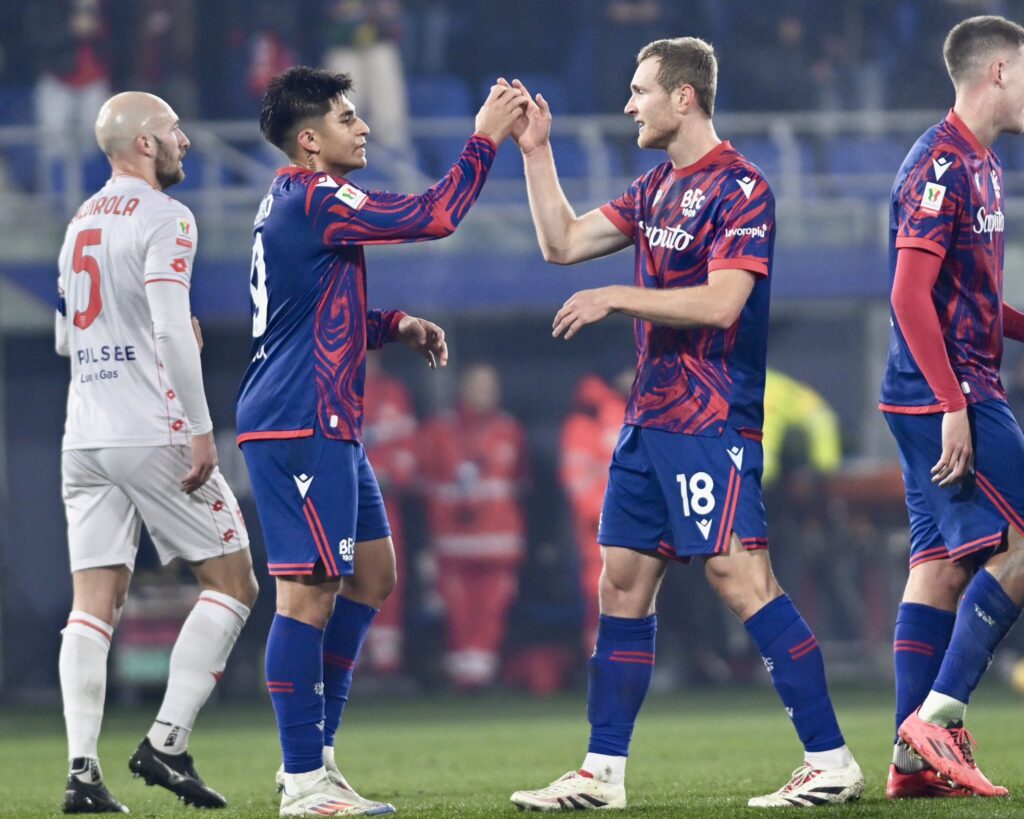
[
  {"x": 938, "y": 583},
  {"x": 247, "y": 591}
]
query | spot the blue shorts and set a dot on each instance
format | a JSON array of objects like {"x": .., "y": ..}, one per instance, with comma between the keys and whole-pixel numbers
[
  {"x": 972, "y": 517},
  {"x": 316, "y": 499},
  {"x": 683, "y": 495}
]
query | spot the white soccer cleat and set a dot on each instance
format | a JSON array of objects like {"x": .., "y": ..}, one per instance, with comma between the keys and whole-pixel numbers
[
  {"x": 809, "y": 787},
  {"x": 341, "y": 792},
  {"x": 574, "y": 791}
]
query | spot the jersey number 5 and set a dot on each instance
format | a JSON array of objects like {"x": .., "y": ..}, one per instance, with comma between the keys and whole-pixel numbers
[
  {"x": 258, "y": 288},
  {"x": 84, "y": 263}
]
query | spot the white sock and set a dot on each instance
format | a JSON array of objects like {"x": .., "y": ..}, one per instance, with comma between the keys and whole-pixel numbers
[
  {"x": 329, "y": 762},
  {"x": 829, "y": 760},
  {"x": 610, "y": 769},
  {"x": 294, "y": 784},
  {"x": 942, "y": 710},
  {"x": 83, "y": 680},
  {"x": 197, "y": 660},
  {"x": 906, "y": 759}
]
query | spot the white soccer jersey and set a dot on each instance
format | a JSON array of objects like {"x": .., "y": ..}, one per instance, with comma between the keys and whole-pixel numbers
[{"x": 122, "y": 237}]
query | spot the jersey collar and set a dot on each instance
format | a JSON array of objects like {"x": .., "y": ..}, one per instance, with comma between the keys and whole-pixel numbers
[
  {"x": 961, "y": 128},
  {"x": 704, "y": 161}
]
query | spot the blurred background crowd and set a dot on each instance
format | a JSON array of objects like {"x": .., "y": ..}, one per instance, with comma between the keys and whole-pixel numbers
[{"x": 493, "y": 470}]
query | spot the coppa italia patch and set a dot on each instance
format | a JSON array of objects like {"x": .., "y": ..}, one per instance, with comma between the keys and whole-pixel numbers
[
  {"x": 353, "y": 197},
  {"x": 184, "y": 237},
  {"x": 933, "y": 196}
]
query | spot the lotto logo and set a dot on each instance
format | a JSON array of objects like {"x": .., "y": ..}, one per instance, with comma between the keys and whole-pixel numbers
[
  {"x": 218, "y": 505},
  {"x": 229, "y": 535},
  {"x": 179, "y": 265}
]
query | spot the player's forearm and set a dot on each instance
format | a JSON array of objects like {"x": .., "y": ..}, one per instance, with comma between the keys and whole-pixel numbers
[
  {"x": 178, "y": 351},
  {"x": 682, "y": 307},
  {"x": 1013, "y": 323},
  {"x": 918, "y": 320},
  {"x": 553, "y": 216}
]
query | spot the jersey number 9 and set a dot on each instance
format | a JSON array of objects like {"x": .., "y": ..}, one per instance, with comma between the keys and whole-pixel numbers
[{"x": 258, "y": 288}]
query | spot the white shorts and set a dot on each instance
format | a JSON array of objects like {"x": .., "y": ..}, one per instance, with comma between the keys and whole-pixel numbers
[{"x": 110, "y": 493}]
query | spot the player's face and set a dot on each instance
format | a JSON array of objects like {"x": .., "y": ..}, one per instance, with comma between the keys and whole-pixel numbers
[
  {"x": 651, "y": 107},
  {"x": 342, "y": 139},
  {"x": 171, "y": 145}
]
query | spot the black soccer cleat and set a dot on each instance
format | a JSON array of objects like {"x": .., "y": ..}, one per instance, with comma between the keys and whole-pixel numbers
[
  {"x": 176, "y": 773},
  {"x": 89, "y": 797}
]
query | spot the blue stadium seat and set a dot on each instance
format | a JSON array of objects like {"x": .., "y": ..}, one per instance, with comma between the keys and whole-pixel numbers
[
  {"x": 17, "y": 106},
  {"x": 439, "y": 95},
  {"x": 850, "y": 155}
]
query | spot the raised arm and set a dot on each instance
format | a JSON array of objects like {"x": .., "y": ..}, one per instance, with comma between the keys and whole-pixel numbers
[{"x": 564, "y": 237}]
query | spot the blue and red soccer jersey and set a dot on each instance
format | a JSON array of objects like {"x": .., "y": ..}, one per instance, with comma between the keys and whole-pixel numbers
[
  {"x": 718, "y": 213},
  {"x": 947, "y": 199},
  {"x": 311, "y": 325}
]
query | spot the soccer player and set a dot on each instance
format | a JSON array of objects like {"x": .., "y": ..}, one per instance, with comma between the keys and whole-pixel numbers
[
  {"x": 300, "y": 403},
  {"x": 138, "y": 448},
  {"x": 961, "y": 450},
  {"x": 685, "y": 478}
]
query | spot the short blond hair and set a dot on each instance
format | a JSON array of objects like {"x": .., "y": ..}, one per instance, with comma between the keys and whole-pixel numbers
[
  {"x": 686, "y": 61},
  {"x": 975, "y": 39}
]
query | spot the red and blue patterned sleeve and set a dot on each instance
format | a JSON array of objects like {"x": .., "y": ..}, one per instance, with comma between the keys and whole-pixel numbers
[
  {"x": 621, "y": 212},
  {"x": 382, "y": 327},
  {"x": 744, "y": 224},
  {"x": 931, "y": 202},
  {"x": 345, "y": 215}
]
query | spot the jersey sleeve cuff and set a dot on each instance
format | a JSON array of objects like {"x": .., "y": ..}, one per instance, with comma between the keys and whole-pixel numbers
[
  {"x": 616, "y": 219},
  {"x": 485, "y": 137},
  {"x": 921, "y": 244},
  {"x": 751, "y": 264},
  {"x": 391, "y": 333}
]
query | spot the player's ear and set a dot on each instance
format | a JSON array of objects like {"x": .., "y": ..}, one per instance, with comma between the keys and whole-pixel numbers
[
  {"x": 308, "y": 140},
  {"x": 684, "y": 97}
]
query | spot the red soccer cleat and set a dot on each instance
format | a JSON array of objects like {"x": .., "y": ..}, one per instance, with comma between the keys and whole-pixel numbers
[
  {"x": 924, "y": 784},
  {"x": 949, "y": 752}
]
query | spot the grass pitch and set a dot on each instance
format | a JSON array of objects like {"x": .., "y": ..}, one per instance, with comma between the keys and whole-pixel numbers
[{"x": 695, "y": 754}]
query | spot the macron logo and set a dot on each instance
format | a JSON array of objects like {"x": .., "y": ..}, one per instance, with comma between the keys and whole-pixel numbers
[
  {"x": 940, "y": 166},
  {"x": 746, "y": 185},
  {"x": 705, "y": 527},
  {"x": 736, "y": 455},
  {"x": 302, "y": 482}
]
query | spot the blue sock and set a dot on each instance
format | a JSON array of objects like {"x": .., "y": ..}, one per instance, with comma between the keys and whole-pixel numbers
[
  {"x": 792, "y": 657},
  {"x": 620, "y": 674},
  {"x": 343, "y": 638},
  {"x": 295, "y": 680},
  {"x": 986, "y": 613},
  {"x": 918, "y": 646}
]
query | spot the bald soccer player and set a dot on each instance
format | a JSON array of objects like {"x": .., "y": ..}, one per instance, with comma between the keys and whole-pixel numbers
[{"x": 138, "y": 448}]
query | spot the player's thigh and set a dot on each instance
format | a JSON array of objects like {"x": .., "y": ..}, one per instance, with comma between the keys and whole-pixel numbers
[
  {"x": 307, "y": 498},
  {"x": 103, "y": 523},
  {"x": 194, "y": 527}
]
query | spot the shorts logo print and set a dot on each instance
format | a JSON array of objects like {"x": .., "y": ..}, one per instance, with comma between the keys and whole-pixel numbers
[
  {"x": 705, "y": 527},
  {"x": 302, "y": 482},
  {"x": 736, "y": 455}
]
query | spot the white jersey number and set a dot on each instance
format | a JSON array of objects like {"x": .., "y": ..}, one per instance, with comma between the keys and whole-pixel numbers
[
  {"x": 84, "y": 263},
  {"x": 258, "y": 288},
  {"x": 696, "y": 493}
]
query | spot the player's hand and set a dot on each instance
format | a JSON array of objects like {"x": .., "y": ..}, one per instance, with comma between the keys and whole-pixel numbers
[
  {"x": 500, "y": 111},
  {"x": 204, "y": 461},
  {"x": 957, "y": 451},
  {"x": 198, "y": 331},
  {"x": 582, "y": 308},
  {"x": 533, "y": 127},
  {"x": 426, "y": 338}
]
